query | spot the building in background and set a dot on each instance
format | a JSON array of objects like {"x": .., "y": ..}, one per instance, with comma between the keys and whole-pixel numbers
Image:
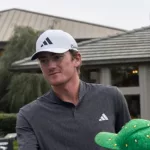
[
  {"x": 80, "y": 30},
  {"x": 121, "y": 60}
]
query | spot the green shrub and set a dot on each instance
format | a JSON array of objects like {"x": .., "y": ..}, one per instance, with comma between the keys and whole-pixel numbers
[
  {"x": 7, "y": 123},
  {"x": 15, "y": 145}
]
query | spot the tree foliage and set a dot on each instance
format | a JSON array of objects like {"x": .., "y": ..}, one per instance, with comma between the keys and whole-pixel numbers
[{"x": 18, "y": 89}]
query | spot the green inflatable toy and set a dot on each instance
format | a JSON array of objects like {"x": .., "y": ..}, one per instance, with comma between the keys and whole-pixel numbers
[{"x": 135, "y": 135}]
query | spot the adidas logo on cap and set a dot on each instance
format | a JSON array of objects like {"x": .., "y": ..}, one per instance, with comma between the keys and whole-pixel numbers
[{"x": 46, "y": 42}]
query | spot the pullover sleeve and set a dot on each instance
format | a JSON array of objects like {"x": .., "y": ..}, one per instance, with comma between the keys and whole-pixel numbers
[{"x": 25, "y": 134}]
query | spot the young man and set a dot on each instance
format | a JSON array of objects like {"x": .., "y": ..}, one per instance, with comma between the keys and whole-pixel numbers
[{"x": 72, "y": 112}]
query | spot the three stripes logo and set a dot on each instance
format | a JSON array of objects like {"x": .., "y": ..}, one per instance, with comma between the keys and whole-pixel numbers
[
  {"x": 103, "y": 117},
  {"x": 47, "y": 41}
]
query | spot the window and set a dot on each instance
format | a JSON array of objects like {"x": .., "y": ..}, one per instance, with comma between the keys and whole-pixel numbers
[
  {"x": 90, "y": 75},
  {"x": 124, "y": 76},
  {"x": 133, "y": 105}
]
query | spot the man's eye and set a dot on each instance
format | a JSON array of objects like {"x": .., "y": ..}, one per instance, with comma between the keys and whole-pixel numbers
[
  {"x": 57, "y": 57},
  {"x": 43, "y": 60}
]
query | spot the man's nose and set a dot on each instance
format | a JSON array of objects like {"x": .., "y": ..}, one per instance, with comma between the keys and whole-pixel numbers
[{"x": 51, "y": 63}]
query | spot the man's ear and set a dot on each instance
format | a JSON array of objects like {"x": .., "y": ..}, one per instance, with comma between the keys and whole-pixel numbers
[{"x": 78, "y": 60}]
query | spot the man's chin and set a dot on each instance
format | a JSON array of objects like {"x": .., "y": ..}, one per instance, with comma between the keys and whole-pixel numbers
[{"x": 56, "y": 83}]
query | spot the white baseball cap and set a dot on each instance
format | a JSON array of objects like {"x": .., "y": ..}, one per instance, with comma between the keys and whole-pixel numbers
[{"x": 55, "y": 41}]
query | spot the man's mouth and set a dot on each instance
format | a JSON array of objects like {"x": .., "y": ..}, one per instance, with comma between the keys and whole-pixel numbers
[{"x": 53, "y": 73}]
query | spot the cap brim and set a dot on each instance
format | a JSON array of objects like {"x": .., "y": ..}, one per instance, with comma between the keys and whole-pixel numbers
[
  {"x": 107, "y": 140},
  {"x": 53, "y": 50}
]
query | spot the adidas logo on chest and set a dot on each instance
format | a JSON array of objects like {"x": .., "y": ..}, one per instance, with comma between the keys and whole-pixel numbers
[{"x": 103, "y": 117}]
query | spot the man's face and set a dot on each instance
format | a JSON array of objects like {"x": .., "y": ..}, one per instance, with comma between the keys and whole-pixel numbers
[{"x": 58, "y": 69}]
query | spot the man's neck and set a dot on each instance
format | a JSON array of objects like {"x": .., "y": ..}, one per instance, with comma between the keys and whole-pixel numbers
[{"x": 69, "y": 92}]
